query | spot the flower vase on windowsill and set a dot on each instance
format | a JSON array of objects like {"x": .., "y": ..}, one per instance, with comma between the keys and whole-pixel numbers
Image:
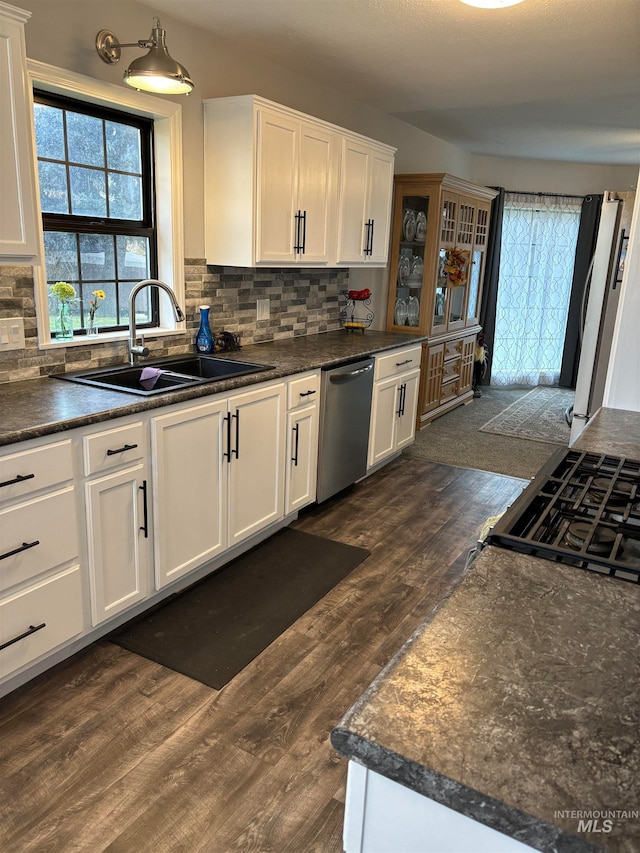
[
  {"x": 65, "y": 294},
  {"x": 94, "y": 304}
]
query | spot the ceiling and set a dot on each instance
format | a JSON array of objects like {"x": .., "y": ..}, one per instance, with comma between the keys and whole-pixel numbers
[{"x": 547, "y": 79}]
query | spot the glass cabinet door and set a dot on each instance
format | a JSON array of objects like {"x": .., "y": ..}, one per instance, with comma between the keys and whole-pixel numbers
[
  {"x": 478, "y": 258},
  {"x": 408, "y": 256}
]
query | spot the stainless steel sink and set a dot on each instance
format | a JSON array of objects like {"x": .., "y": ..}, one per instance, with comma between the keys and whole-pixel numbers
[{"x": 179, "y": 372}]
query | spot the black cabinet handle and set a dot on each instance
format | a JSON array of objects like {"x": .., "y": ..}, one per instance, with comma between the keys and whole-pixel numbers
[
  {"x": 298, "y": 218},
  {"x": 19, "y": 479},
  {"x": 236, "y": 451},
  {"x": 32, "y": 630},
  {"x": 406, "y": 361},
  {"x": 373, "y": 224},
  {"x": 227, "y": 420},
  {"x": 294, "y": 458},
  {"x": 367, "y": 226},
  {"x": 403, "y": 390},
  {"x": 121, "y": 449},
  {"x": 24, "y": 547},
  {"x": 145, "y": 510},
  {"x": 304, "y": 232},
  {"x": 307, "y": 393}
]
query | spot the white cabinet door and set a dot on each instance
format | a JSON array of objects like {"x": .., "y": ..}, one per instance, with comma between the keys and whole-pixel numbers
[
  {"x": 365, "y": 195},
  {"x": 354, "y": 181},
  {"x": 255, "y": 462},
  {"x": 18, "y": 203},
  {"x": 316, "y": 195},
  {"x": 393, "y": 415},
  {"x": 384, "y": 406},
  {"x": 379, "y": 206},
  {"x": 406, "y": 420},
  {"x": 118, "y": 541},
  {"x": 277, "y": 167},
  {"x": 301, "y": 458},
  {"x": 190, "y": 488}
]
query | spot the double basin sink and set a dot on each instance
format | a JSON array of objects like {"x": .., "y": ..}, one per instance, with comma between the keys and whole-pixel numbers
[{"x": 164, "y": 375}]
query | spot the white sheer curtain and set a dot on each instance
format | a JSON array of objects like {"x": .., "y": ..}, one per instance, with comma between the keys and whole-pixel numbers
[{"x": 539, "y": 235}]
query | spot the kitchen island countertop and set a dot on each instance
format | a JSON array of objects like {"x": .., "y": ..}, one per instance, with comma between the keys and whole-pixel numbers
[
  {"x": 614, "y": 431},
  {"x": 516, "y": 703},
  {"x": 37, "y": 407}
]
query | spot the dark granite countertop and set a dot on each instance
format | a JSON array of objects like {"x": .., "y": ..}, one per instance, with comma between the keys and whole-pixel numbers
[
  {"x": 516, "y": 703},
  {"x": 614, "y": 431},
  {"x": 38, "y": 407}
]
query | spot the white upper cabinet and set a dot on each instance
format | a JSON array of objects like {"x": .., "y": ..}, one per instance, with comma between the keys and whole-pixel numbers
[
  {"x": 273, "y": 179},
  {"x": 18, "y": 204},
  {"x": 365, "y": 196}
]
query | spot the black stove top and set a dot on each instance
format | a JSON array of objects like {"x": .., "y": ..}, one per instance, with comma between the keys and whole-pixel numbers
[{"x": 581, "y": 509}]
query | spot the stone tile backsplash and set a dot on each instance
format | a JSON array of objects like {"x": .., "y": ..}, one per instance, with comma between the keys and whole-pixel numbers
[{"x": 302, "y": 302}]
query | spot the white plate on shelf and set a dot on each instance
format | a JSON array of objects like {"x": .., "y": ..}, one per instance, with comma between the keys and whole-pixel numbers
[
  {"x": 404, "y": 269},
  {"x": 421, "y": 227},
  {"x": 409, "y": 224}
]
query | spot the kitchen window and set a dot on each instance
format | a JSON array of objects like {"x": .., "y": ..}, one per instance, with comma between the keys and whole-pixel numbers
[
  {"x": 96, "y": 194},
  {"x": 102, "y": 229}
]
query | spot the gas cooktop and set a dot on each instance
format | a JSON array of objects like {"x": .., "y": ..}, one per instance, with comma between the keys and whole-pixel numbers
[{"x": 581, "y": 509}]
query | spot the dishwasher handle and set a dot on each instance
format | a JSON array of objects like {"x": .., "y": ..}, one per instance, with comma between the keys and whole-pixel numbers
[{"x": 344, "y": 377}]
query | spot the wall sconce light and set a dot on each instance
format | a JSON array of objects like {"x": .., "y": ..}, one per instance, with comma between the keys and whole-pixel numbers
[{"x": 155, "y": 72}]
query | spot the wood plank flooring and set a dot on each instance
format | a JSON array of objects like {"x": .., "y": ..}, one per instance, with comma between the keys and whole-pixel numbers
[{"x": 109, "y": 751}]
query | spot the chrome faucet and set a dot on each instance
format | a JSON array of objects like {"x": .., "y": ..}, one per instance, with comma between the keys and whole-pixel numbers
[{"x": 136, "y": 351}]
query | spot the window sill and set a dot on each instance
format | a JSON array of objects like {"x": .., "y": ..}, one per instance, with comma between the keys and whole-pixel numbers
[{"x": 108, "y": 338}]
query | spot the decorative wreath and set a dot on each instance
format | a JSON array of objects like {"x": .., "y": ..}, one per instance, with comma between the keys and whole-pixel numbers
[{"x": 455, "y": 266}]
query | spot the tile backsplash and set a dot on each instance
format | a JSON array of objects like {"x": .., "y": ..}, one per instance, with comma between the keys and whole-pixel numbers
[{"x": 301, "y": 302}]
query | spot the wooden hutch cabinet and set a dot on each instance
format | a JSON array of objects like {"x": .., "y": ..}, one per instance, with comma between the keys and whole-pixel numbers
[{"x": 437, "y": 261}]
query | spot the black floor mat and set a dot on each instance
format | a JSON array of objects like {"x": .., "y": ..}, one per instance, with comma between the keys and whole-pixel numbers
[{"x": 213, "y": 629}]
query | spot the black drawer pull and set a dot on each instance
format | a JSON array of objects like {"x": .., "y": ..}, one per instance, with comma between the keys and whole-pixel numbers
[
  {"x": 294, "y": 458},
  {"x": 24, "y": 547},
  {"x": 19, "y": 479},
  {"x": 306, "y": 393},
  {"x": 32, "y": 630},
  {"x": 145, "y": 510},
  {"x": 406, "y": 361},
  {"x": 121, "y": 449}
]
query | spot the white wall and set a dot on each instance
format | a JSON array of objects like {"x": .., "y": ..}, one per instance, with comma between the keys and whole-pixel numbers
[
  {"x": 551, "y": 176},
  {"x": 622, "y": 390}
]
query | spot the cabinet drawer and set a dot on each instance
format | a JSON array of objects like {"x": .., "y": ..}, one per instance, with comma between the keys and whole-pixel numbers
[
  {"x": 453, "y": 348},
  {"x": 44, "y": 534},
  {"x": 398, "y": 361},
  {"x": 23, "y": 474},
  {"x": 112, "y": 448},
  {"x": 55, "y": 603},
  {"x": 303, "y": 390},
  {"x": 449, "y": 391},
  {"x": 451, "y": 369}
]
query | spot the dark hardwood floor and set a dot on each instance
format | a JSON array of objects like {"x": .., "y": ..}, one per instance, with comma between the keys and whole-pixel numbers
[{"x": 109, "y": 751}]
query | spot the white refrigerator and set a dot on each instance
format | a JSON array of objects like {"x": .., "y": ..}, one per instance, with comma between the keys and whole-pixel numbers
[{"x": 599, "y": 308}]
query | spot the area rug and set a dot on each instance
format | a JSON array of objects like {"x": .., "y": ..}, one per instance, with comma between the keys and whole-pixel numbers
[
  {"x": 537, "y": 416},
  {"x": 215, "y": 628}
]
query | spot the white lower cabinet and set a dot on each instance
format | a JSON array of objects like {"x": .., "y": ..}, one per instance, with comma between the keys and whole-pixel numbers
[
  {"x": 382, "y": 816},
  {"x": 302, "y": 441},
  {"x": 41, "y": 589},
  {"x": 117, "y": 519},
  {"x": 218, "y": 476},
  {"x": 394, "y": 404},
  {"x": 190, "y": 491}
]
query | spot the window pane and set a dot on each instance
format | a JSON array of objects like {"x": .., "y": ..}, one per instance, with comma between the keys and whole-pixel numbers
[
  {"x": 106, "y": 312},
  {"x": 53, "y": 187},
  {"x": 123, "y": 147},
  {"x": 61, "y": 256},
  {"x": 49, "y": 132},
  {"x": 96, "y": 257},
  {"x": 143, "y": 303},
  {"x": 84, "y": 138},
  {"x": 125, "y": 197},
  {"x": 88, "y": 192},
  {"x": 133, "y": 257}
]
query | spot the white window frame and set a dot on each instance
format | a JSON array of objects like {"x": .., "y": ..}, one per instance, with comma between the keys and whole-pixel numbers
[{"x": 168, "y": 166}]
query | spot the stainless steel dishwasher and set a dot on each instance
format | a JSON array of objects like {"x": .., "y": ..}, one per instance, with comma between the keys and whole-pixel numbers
[{"x": 345, "y": 410}]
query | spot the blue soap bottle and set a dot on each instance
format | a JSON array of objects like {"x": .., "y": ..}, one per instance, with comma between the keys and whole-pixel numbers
[{"x": 204, "y": 338}]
